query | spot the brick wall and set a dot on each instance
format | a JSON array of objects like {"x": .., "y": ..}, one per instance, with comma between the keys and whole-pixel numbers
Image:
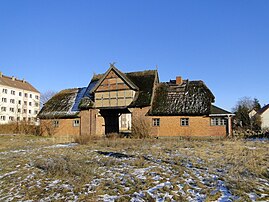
[
  {"x": 65, "y": 127},
  {"x": 198, "y": 126},
  {"x": 91, "y": 122}
]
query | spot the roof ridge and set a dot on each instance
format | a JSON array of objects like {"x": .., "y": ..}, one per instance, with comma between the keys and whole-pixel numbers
[{"x": 263, "y": 109}]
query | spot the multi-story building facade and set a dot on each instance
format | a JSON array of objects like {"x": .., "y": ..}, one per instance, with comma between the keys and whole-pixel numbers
[{"x": 19, "y": 100}]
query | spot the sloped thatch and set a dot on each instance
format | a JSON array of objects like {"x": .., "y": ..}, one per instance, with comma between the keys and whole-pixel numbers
[
  {"x": 62, "y": 105},
  {"x": 189, "y": 98},
  {"x": 145, "y": 82},
  {"x": 86, "y": 103}
]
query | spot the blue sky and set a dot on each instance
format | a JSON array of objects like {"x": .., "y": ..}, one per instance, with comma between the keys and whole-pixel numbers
[{"x": 58, "y": 44}]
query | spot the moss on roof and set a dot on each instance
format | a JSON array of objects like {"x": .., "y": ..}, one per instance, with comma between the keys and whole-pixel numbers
[
  {"x": 60, "y": 105},
  {"x": 145, "y": 82},
  {"x": 86, "y": 103},
  {"x": 189, "y": 98}
]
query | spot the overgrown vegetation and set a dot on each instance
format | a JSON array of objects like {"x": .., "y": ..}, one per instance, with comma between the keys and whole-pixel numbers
[
  {"x": 140, "y": 128},
  {"x": 22, "y": 127},
  {"x": 243, "y": 120}
]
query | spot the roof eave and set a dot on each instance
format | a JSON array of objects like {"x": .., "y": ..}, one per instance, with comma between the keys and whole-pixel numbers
[{"x": 221, "y": 115}]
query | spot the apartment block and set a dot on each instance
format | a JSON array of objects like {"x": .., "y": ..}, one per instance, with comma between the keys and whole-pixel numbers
[{"x": 19, "y": 100}]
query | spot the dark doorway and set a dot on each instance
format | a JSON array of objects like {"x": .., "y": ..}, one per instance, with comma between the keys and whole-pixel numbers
[{"x": 111, "y": 117}]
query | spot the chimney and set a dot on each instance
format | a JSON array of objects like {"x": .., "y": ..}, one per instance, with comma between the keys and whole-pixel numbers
[
  {"x": 23, "y": 80},
  {"x": 178, "y": 80},
  {"x": 1, "y": 74},
  {"x": 13, "y": 78}
]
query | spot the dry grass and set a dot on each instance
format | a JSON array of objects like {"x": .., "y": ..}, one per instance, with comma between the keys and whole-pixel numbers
[
  {"x": 113, "y": 166},
  {"x": 86, "y": 139},
  {"x": 20, "y": 128}
]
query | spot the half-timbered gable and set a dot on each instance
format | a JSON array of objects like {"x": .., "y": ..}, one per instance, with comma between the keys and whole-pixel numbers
[{"x": 114, "y": 90}]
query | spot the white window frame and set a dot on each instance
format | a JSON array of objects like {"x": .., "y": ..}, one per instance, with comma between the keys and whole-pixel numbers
[
  {"x": 76, "y": 123},
  {"x": 184, "y": 122},
  {"x": 156, "y": 122},
  {"x": 217, "y": 121},
  {"x": 4, "y": 91}
]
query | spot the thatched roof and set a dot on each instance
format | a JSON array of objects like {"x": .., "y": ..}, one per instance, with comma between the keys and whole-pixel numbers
[
  {"x": 68, "y": 103},
  {"x": 64, "y": 104},
  {"x": 188, "y": 98}
]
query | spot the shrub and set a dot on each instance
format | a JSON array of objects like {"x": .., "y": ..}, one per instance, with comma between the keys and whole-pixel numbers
[
  {"x": 112, "y": 136},
  {"x": 22, "y": 127},
  {"x": 85, "y": 139},
  {"x": 140, "y": 128}
]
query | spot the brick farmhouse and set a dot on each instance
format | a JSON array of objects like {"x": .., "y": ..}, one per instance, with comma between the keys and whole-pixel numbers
[{"x": 175, "y": 108}]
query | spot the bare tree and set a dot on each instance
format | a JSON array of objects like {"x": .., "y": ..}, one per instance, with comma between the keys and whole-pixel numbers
[
  {"x": 46, "y": 96},
  {"x": 246, "y": 102},
  {"x": 242, "y": 109}
]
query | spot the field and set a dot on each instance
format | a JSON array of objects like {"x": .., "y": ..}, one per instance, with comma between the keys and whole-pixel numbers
[{"x": 172, "y": 169}]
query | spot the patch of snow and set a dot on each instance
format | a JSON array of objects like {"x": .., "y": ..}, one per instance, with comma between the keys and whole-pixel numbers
[
  {"x": 108, "y": 198},
  {"x": 252, "y": 196},
  {"x": 62, "y": 145},
  {"x": 8, "y": 174}
]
